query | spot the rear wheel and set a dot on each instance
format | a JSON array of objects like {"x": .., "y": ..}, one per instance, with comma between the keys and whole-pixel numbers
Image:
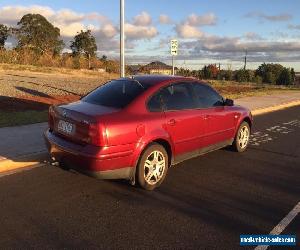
[
  {"x": 152, "y": 167},
  {"x": 242, "y": 137}
]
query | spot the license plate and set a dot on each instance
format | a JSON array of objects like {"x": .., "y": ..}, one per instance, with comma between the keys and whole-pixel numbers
[{"x": 66, "y": 127}]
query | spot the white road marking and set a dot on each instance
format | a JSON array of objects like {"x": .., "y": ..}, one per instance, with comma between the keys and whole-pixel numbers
[
  {"x": 280, "y": 129},
  {"x": 283, "y": 224},
  {"x": 258, "y": 138},
  {"x": 261, "y": 137},
  {"x": 295, "y": 123}
]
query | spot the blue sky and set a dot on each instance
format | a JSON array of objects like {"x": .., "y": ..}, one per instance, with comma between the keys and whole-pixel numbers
[{"x": 208, "y": 31}]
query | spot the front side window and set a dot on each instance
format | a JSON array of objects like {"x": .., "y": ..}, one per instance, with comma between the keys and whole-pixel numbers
[
  {"x": 206, "y": 96},
  {"x": 116, "y": 94},
  {"x": 178, "y": 97}
]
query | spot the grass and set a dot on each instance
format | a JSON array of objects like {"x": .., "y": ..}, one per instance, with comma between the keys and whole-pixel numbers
[
  {"x": 234, "y": 90},
  {"x": 8, "y": 119}
]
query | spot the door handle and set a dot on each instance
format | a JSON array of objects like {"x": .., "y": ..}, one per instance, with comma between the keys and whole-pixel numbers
[
  {"x": 172, "y": 122},
  {"x": 206, "y": 117}
]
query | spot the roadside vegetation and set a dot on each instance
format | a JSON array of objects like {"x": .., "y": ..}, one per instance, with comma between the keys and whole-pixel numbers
[
  {"x": 272, "y": 74},
  {"x": 39, "y": 44}
]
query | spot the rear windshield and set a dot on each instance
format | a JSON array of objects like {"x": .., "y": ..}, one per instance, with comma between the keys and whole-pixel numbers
[{"x": 116, "y": 94}]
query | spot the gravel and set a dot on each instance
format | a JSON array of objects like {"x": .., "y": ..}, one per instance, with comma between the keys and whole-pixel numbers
[{"x": 18, "y": 84}]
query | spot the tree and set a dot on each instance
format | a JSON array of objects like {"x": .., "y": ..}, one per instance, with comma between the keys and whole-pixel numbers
[
  {"x": 4, "y": 32},
  {"x": 242, "y": 75},
  {"x": 269, "y": 72},
  {"x": 206, "y": 72},
  {"x": 84, "y": 43},
  {"x": 35, "y": 32},
  {"x": 293, "y": 74},
  {"x": 210, "y": 71},
  {"x": 285, "y": 77},
  {"x": 269, "y": 77}
]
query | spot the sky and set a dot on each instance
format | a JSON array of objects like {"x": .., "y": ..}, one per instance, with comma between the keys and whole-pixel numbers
[{"x": 207, "y": 31}]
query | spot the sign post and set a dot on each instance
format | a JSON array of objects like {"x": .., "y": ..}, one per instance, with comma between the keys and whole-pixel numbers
[
  {"x": 122, "y": 39},
  {"x": 174, "y": 52}
]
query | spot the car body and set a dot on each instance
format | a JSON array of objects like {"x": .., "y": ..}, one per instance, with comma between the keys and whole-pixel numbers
[{"x": 106, "y": 133}]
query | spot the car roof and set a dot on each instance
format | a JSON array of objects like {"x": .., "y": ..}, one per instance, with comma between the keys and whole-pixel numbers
[{"x": 149, "y": 80}]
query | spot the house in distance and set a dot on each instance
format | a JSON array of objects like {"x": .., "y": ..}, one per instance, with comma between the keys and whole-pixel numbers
[{"x": 156, "y": 68}]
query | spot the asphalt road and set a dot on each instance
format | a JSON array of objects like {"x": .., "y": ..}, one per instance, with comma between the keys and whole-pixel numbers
[{"x": 205, "y": 203}]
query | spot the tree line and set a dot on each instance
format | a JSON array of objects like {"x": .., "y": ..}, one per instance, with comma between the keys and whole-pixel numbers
[
  {"x": 268, "y": 73},
  {"x": 38, "y": 42}
]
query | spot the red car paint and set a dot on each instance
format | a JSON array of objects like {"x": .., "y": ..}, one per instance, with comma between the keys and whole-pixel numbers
[{"x": 108, "y": 141}]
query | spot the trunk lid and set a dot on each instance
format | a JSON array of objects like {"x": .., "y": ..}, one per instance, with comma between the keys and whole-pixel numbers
[{"x": 80, "y": 122}]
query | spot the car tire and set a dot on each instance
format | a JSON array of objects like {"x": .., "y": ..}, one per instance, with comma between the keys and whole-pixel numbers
[
  {"x": 241, "y": 140},
  {"x": 152, "y": 167}
]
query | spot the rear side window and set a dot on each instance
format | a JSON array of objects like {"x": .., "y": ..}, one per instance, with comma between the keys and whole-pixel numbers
[
  {"x": 178, "y": 97},
  {"x": 206, "y": 96},
  {"x": 116, "y": 94},
  {"x": 155, "y": 103}
]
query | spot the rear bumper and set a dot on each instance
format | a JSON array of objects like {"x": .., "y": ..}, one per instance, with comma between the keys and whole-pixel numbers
[{"x": 100, "y": 162}]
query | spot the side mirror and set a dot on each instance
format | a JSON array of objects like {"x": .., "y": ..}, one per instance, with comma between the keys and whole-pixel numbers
[{"x": 229, "y": 102}]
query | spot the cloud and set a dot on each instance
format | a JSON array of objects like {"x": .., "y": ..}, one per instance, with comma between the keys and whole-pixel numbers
[
  {"x": 68, "y": 21},
  {"x": 252, "y": 36},
  {"x": 107, "y": 30},
  {"x": 143, "y": 19},
  {"x": 273, "y": 18},
  {"x": 201, "y": 20},
  {"x": 189, "y": 28},
  {"x": 235, "y": 44},
  {"x": 185, "y": 30},
  {"x": 70, "y": 30},
  {"x": 66, "y": 16},
  {"x": 134, "y": 32},
  {"x": 232, "y": 48},
  {"x": 10, "y": 15},
  {"x": 294, "y": 27},
  {"x": 164, "y": 19}
]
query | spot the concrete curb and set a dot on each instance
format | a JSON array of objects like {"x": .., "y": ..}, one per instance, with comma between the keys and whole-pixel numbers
[
  {"x": 23, "y": 161},
  {"x": 261, "y": 111},
  {"x": 39, "y": 157}
]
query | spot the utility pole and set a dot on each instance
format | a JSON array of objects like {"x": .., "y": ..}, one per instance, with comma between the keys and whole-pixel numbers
[
  {"x": 245, "y": 64},
  {"x": 122, "y": 39}
]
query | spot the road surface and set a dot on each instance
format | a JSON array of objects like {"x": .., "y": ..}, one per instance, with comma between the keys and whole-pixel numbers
[{"x": 204, "y": 203}]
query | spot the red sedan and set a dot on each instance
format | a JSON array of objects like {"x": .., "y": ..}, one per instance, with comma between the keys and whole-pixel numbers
[{"x": 136, "y": 128}]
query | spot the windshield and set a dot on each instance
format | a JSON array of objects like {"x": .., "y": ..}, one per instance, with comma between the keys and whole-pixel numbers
[{"x": 116, "y": 94}]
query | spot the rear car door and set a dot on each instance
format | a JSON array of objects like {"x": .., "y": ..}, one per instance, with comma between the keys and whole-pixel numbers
[
  {"x": 183, "y": 122},
  {"x": 219, "y": 119}
]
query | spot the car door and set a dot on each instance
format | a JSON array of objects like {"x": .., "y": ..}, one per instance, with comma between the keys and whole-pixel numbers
[
  {"x": 183, "y": 122},
  {"x": 219, "y": 119}
]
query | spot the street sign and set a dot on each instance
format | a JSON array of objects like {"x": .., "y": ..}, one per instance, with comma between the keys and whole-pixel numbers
[{"x": 174, "y": 47}]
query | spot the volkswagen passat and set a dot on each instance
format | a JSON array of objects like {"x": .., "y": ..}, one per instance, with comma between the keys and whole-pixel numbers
[{"x": 136, "y": 128}]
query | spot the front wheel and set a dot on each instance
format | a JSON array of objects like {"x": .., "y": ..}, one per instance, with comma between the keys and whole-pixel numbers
[
  {"x": 152, "y": 167},
  {"x": 242, "y": 137}
]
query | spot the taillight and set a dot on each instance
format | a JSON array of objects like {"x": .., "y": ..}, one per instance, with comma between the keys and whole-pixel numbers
[
  {"x": 94, "y": 134},
  {"x": 51, "y": 118}
]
